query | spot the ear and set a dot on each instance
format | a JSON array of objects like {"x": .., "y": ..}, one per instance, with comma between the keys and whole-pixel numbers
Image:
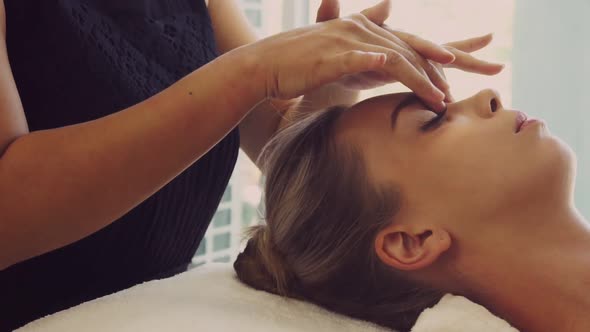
[{"x": 408, "y": 248}]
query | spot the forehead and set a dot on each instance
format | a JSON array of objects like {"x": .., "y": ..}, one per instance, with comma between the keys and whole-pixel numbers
[
  {"x": 388, "y": 100},
  {"x": 367, "y": 126},
  {"x": 372, "y": 115}
]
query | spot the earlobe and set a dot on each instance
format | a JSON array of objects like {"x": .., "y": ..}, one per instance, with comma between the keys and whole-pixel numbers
[{"x": 408, "y": 250}]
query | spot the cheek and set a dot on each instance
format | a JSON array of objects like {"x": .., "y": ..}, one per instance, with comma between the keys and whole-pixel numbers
[
  {"x": 462, "y": 167},
  {"x": 481, "y": 175}
]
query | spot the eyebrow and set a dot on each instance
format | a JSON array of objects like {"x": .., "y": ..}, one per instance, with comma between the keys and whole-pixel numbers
[{"x": 407, "y": 101}]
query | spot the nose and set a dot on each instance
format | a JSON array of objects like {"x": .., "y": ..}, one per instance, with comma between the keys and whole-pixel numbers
[{"x": 485, "y": 102}]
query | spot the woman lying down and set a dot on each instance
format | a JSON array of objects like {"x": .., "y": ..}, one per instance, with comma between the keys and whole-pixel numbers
[{"x": 377, "y": 210}]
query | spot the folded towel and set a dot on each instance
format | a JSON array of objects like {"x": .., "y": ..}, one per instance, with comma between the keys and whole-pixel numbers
[
  {"x": 458, "y": 314},
  {"x": 210, "y": 298},
  {"x": 206, "y": 298}
]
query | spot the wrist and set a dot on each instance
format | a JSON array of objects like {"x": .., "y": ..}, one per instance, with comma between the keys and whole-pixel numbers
[{"x": 245, "y": 76}]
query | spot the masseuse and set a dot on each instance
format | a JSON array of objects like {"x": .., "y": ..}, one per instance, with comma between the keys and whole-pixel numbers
[{"x": 120, "y": 124}]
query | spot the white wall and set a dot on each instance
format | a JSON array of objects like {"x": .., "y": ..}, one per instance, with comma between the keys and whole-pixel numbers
[{"x": 551, "y": 66}]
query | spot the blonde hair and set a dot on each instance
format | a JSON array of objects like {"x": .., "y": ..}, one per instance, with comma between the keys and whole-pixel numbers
[{"x": 322, "y": 215}]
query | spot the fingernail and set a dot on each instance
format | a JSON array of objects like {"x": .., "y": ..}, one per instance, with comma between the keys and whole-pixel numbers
[
  {"x": 380, "y": 58},
  {"x": 451, "y": 54}
]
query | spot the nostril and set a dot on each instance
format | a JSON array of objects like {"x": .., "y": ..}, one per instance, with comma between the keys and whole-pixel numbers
[{"x": 494, "y": 104}]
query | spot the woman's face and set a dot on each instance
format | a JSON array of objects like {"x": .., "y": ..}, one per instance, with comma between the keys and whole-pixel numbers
[{"x": 471, "y": 168}]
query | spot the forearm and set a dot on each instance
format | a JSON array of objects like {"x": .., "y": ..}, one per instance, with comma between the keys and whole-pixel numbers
[
  {"x": 273, "y": 115},
  {"x": 262, "y": 123},
  {"x": 60, "y": 185}
]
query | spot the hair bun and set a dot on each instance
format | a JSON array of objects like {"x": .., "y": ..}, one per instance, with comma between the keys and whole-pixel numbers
[{"x": 262, "y": 267}]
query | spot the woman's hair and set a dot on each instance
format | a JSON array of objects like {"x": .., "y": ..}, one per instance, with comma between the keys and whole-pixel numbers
[{"x": 322, "y": 216}]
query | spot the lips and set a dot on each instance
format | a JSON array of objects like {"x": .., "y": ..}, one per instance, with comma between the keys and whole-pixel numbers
[{"x": 520, "y": 119}]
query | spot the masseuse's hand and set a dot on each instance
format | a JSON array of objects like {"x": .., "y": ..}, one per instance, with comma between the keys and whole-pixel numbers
[
  {"x": 298, "y": 61},
  {"x": 467, "y": 62},
  {"x": 422, "y": 54}
]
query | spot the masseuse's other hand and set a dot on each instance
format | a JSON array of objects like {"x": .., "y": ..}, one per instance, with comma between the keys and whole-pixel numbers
[
  {"x": 423, "y": 54},
  {"x": 298, "y": 61}
]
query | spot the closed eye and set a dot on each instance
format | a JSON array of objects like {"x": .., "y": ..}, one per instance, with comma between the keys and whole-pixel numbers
[{"x": 435, "y": 122}]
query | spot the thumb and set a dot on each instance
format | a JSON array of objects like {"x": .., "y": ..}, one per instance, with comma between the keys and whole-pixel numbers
[
  {"x": 378, "y": 13},
  {"x": 329, "y": 10}
]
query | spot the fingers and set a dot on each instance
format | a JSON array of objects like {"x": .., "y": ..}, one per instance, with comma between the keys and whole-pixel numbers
[
  {"x": 422, "y": 65},
  {"x": 439, "y": 67},
  {"x": 347, "y": 63},
  {"x": 437, "y": 77},
  {"x": 415, "y": 50},
  {"x": 398, "y": 67},
  {"x": 410, "y": 77},
  {"x": 467, "y": 62},
  {"x": 378, "y": 13},
  {"x": 472, "y": 44},
  {"x": 329, "y": 10},
  {"x": 448, "y": 96},
  {"x": 426, "y": 48},
  {"x": 426, "y": 68}
]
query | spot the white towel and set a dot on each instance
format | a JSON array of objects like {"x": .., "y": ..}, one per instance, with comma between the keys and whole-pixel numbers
[
  {"x": 210, "y": 298},
  {"x": 458, "y": 314},
  {"x": 207, "y": 298}
]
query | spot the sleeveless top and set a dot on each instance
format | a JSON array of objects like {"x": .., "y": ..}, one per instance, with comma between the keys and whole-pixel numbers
[{"x": 79, "y": 60}]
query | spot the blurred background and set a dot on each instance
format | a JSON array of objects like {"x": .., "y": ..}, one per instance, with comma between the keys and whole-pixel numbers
[{"x": 544, "y": 44}]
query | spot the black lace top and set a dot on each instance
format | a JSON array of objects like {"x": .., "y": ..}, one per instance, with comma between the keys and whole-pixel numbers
[{"x": 79, "y": 60}]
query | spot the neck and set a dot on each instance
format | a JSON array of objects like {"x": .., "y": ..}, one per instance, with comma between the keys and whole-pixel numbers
[{"x": 541, "y": 283}]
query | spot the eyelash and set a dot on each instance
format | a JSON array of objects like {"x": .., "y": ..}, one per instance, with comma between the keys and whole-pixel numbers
[{"x": 435, "y": 122}]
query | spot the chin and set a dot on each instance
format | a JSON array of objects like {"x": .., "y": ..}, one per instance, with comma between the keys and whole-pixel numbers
[
  {"x": 542, "y": 175},
  {"x": 558, "y": 166}
]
